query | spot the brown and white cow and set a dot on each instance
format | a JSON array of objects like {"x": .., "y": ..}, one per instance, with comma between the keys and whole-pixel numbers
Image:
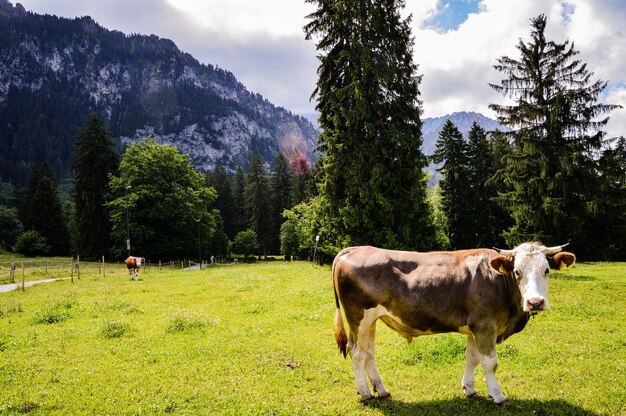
[
  {"x": 487, "y": 295},
  {"x": 133, "y": 264}
]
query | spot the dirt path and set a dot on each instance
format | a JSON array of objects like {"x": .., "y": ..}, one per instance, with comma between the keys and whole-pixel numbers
[{"x": 13, "y": 286}]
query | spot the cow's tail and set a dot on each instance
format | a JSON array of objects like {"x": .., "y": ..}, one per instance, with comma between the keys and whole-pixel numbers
[{"x": 340, "y": 331}]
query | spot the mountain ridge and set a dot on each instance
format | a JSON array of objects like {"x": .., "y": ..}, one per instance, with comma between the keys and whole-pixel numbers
[{"x": 54, "y": 72}]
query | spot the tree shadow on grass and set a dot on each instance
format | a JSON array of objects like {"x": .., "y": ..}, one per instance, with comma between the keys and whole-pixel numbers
[{"x": 479, "y": 406}]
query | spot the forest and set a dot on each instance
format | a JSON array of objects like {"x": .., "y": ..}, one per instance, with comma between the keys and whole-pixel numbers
[{"x": 554, "y": 177}]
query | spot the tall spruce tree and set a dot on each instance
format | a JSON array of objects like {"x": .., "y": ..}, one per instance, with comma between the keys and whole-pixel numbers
[
  {"x": 556, "y": 130},
  {"x": 43, "y": 212},
  {"x": 486, "y": 219},
  {"x": 257, "y": 203},
  {"x": 607, "y": 232},
  {"x": 94, "y": 160},
  {"x": 456, "y": 196},
  {"x": 280, "y": 186},
  {"x": 368, "y": 99},
  {"x": 238, "y": 188},
  {"x": 225, "y": 202}
]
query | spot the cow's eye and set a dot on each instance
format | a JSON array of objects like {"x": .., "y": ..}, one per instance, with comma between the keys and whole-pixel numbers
[
  {"x": 547, "y": 271},
  {"x": 518, "y": 274}
]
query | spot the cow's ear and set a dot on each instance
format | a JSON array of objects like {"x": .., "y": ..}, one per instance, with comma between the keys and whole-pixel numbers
[
  {"x": 502, "y": 264},
  {"x": 562, "y": 260}
]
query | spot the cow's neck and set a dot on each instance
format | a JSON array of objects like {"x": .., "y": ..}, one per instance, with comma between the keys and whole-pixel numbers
[{"x": 517, "y": 317}]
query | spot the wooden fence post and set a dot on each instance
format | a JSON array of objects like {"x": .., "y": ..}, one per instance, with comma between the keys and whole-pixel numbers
[
  {"x": 23, "y": 278},
  {"x": 12, "y": 269},
  {"x": 104, "y": 273},
  {"x": 78, "y": 266},
  {"x": 72, "y": 270}
]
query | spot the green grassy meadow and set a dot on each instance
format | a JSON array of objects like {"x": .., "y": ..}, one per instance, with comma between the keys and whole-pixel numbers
[{"x": 252, "y": 339}]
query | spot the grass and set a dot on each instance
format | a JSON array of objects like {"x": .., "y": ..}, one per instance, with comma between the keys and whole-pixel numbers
[{"x": 257, "y": 338}]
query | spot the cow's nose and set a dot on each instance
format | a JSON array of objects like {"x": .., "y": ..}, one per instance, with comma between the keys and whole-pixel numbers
[{"x": 535, "y": 304}]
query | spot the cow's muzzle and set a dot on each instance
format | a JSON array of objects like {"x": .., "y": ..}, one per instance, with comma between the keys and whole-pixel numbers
[{"x": 535, "y": 304}]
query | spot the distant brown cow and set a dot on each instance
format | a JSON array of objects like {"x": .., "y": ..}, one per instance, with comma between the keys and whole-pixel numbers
[
  {"x": 134, "y": 264},
  {"x": 486, "y": 295}
]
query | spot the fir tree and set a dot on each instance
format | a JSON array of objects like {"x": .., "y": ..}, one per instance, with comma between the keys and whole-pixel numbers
[
  {"x": 551, "y": 173},
  {"x": 238, "y": 188},
  {"x": 485, "y": 221},
  {"x": 456, "y": 196},
  {"x": 372, "y": 183},
  {"x": 43, "y": 211},
  {"x": 280, "y": 186},
  {"x": 94, "y": 160},
  {"x": 257, "y": 203},
  {"x": 225, "y": 202}
]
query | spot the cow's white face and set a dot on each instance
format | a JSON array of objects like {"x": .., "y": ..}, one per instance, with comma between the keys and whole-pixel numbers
[
  {"x": 530, "y": 264},
  {"x": 532, "y": 271},
  {"x": 138, "y": 261}
]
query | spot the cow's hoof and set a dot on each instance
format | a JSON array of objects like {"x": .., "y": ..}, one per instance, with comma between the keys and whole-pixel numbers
[
  {"x": 501, "y": 400},
  {"x": 366, "y": 399},
  {"x": 384, "y": 396},
  {"x": 472, "y": 395}
]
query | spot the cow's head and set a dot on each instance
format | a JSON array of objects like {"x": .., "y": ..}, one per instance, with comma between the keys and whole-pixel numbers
[
  {"x": 139, "y": 261},
  {"x": 530, "y": 263}
]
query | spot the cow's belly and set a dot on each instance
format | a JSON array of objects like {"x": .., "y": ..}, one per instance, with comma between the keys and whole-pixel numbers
[{"x": 408, "y": 330}]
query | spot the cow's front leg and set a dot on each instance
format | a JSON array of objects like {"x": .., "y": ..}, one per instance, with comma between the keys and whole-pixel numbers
[
  {"x": 472, "y": 358},
  {"x": 486, "y": 346}
]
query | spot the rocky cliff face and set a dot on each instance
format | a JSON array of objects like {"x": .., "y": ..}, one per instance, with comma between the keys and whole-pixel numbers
[{"x": 55, "y": 72}]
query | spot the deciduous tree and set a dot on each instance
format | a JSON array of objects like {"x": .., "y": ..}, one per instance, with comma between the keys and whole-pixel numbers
[{"x": 165, "y": 198}]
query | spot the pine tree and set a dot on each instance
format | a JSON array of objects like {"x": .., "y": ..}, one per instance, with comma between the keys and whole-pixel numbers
[
  {"x": 487, "y": 220},
  {"x": 257, "y": 203},
  {"x": 372, "y": 182},
  {"x": 606, "y": 232},
  {"x": 456, "y": 196},
  {"x": 225, "y": 202},
  {"x": 280, "y": 186},
  {"x": 551, "y": 173},
  {"x": 238, "y": 188},
  {"x": 43, "y": 211},
  {"x": 94, "y": 160}
]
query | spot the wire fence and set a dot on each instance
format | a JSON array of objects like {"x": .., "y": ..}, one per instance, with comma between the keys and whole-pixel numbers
[{"x": 27, "y": 270}]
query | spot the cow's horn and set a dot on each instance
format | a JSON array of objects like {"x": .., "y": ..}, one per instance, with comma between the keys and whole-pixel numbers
[
  {"x": 556, "y": 249},
  {"x": 508, "y": 253}
]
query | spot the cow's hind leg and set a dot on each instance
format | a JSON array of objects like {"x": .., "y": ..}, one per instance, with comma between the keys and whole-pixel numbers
[
  {"x": 358, "y": 357},
  {"x": 370, "y": 365},
  {"x": 364, "y": 348},
  {"x": 472, "y": 358}
]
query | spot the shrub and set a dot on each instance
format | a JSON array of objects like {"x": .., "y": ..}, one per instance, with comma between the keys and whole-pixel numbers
[
  {"x": 115, "y": 330},
  {"x": 31, "y": 243},
  {"x": 53, "y": 314},
  {"x": 246, "y": 243}
]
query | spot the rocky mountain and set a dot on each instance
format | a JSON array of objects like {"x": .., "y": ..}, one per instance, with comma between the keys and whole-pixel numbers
[
  {"x": 54, "y": 72},
  {"x": 463, "y": 121}
]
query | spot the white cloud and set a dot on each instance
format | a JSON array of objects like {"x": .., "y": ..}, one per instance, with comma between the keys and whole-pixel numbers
[
  {"x": 240, "y": 17},
  {"x": 262, "y": 43}
]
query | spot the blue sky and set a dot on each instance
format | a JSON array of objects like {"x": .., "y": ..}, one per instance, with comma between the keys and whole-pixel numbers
[
  {"x": 450, "y": 14},
  {"x": 456, "y": 42}
]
